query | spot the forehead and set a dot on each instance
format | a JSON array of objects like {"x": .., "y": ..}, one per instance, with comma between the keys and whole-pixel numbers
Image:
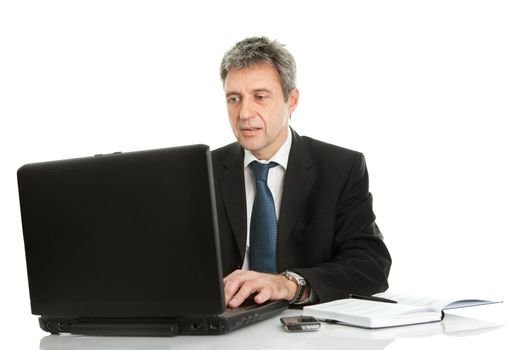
[{"x": 260, "y": 76}]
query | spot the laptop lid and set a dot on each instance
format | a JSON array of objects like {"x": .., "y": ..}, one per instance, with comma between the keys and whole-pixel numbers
[{"x": 122, "y": 235}]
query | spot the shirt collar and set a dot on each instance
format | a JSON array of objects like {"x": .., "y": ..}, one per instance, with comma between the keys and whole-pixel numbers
[{"x": 280, "y": 157}]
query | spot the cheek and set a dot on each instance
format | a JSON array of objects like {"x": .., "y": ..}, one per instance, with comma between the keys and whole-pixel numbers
[
  {"x": 276, "y": 119},
  {"x": 232, "y": 116},
  {"x": 233, "y": 122}
]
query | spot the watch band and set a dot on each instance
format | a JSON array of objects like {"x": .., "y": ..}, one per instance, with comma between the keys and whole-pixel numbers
[{"x": 300, "y": 282}]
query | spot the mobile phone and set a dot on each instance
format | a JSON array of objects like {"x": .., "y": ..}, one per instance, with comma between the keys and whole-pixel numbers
[{"x": 300, "y": 323}]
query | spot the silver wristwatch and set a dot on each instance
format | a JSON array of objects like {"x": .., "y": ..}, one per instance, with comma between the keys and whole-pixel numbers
[{"x": 300, "y": 282}]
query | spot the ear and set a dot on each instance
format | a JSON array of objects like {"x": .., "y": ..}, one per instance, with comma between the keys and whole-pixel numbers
[{"x": 294, "y": 95}]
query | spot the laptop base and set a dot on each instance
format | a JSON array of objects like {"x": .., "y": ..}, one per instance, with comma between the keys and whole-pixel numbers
[
  {"x": 226, "y": 322},
  {"x": 110, "y": 327}
]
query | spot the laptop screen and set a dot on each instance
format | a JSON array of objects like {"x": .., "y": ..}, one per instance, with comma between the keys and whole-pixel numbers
[{"x": 122, "y": 235}]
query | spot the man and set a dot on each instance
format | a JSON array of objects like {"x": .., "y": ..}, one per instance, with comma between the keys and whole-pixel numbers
[{"x": 305, "y": 230}]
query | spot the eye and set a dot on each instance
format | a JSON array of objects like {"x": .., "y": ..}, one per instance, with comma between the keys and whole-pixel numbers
[
  {"x": 261, "y": 97},
  {"x": 232, "y": 99}
]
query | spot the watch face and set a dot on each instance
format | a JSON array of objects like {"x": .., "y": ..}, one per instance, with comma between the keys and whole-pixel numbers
[{"x": 296, "y": 278}]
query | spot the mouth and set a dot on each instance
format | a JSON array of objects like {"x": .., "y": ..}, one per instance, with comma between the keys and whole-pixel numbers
[{"x": 249, "y": 131}]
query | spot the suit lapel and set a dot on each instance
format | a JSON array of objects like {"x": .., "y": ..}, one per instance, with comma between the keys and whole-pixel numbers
[
  {"x": 298, "y": 181},
  {"x": 232, "y": 187}
]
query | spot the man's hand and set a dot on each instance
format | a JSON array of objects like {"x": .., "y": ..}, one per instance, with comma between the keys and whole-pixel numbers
[{"x": 241, "y": 284}]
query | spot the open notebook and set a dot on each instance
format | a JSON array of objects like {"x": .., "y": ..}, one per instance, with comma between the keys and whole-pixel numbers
[{"x": 403, "y": 310}]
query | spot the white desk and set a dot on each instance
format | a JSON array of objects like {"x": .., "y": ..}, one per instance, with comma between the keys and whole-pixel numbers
[{"x": 455, "y": 332}]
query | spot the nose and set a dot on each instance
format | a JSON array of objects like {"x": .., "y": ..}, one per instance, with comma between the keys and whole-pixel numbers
[{"x": 247, "y": 110}]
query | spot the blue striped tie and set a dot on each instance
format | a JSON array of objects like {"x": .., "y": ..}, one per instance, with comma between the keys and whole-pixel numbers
[{"x": 263, "y": 223}]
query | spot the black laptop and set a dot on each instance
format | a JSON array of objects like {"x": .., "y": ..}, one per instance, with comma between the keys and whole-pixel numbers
[{"x": 127, "y": 244}]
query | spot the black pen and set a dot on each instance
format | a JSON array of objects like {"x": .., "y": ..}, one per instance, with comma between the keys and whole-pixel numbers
[{"x": 372, "y": 298}]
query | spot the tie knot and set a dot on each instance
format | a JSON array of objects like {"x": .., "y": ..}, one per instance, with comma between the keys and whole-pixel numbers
[{"x": 260, "y": 170}]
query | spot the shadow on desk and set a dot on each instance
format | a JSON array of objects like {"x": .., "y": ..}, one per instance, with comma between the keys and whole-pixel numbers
[{"x": 269, "y": 334}]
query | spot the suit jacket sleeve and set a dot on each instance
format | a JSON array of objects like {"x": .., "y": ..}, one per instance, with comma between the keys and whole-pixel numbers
[{"x": 347, "y": 250}]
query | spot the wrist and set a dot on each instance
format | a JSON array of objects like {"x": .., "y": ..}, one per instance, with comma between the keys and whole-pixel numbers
[{"x": 299, "y": 287}]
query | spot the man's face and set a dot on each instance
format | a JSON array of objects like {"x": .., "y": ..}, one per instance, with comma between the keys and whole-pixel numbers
[{"x": 258, "y": 113}]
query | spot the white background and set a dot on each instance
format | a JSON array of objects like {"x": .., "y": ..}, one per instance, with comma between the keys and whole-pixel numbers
[{"x": 420, "y": 87}]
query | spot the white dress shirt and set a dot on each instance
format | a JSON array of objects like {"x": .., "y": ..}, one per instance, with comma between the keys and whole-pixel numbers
[{"x": 275, "y": 183}]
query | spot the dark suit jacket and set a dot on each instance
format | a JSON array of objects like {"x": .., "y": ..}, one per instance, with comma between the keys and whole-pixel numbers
[{"x": 326, "y": 230}]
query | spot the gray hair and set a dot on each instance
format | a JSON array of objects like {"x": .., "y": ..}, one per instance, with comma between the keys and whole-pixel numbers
[{"x": 258, "y": 50}]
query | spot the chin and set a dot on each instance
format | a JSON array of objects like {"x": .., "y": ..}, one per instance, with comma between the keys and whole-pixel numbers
[{"x": 250, "y": 145}]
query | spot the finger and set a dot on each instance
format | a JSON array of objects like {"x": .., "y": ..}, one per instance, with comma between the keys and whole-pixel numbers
[
  {"x": 274, "y": 287},
  {"x": 230, "y": 289},
  {"x": 245, "y": 291},
  {"x": 263, "y": 295},
  {"x": 232, "y": 283},
  {"x": 232, "y": 275}
]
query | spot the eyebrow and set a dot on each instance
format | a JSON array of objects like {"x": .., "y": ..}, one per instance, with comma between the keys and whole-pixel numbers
[
  {"x": 262, "y": 90},
  {"x": 253, "y": 91}
]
